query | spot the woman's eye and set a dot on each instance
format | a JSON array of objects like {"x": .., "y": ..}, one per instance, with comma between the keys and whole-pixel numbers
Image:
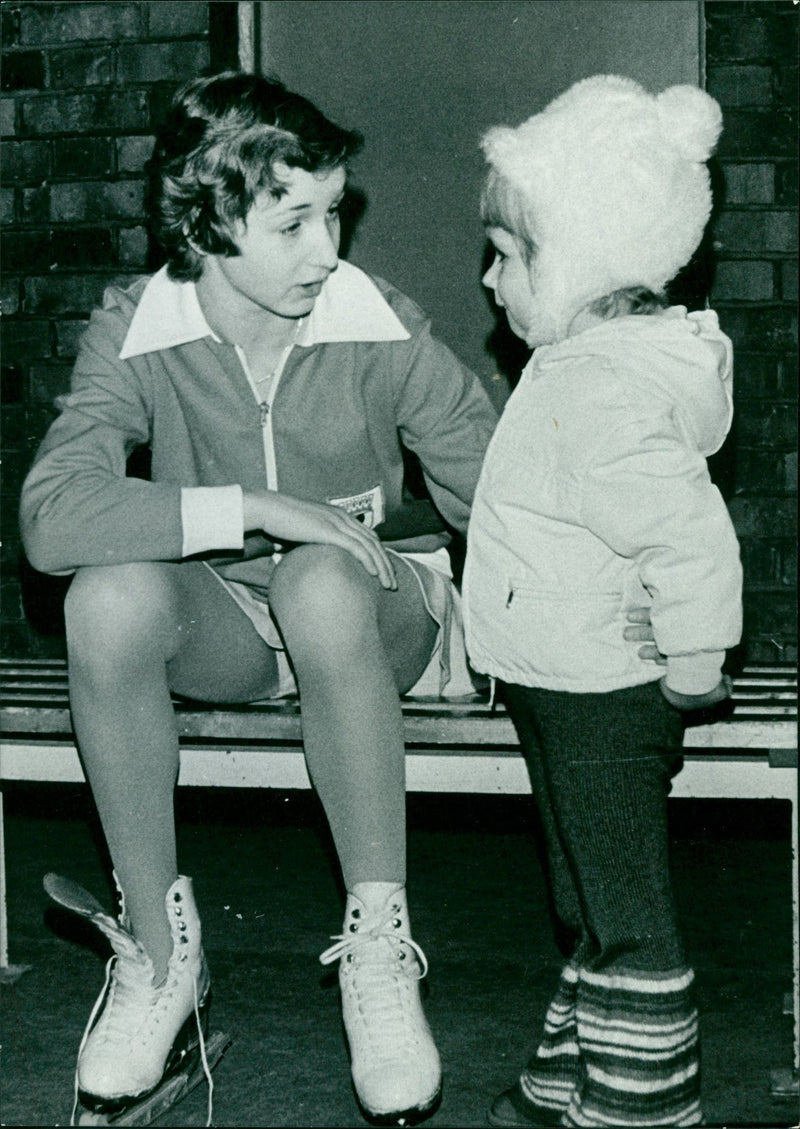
[
  {"x": 291, "y": 229},
  {"x": 333, "y": 213}
]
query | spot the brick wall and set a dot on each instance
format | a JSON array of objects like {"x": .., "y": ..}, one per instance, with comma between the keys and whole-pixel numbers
[
  {"x": 84, "y": 85},
  {"x": 751, "y": 55}
]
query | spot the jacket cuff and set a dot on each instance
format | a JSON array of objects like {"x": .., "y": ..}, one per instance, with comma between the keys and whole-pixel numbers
[
  {"x": 212, "y": 517},
  {"x": 695, "y": 674}
]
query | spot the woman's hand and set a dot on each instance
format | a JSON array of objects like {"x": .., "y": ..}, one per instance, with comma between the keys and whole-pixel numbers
[
  {"x": 284, "y": 518},
  {"x": 641, "y": 631}
]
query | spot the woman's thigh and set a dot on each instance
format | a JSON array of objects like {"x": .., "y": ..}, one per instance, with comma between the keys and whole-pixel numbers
[{"x": 220, "y": 657}]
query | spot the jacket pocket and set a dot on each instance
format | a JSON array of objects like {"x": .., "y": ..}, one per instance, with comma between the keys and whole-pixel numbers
[{"x": 573, "y": 636}]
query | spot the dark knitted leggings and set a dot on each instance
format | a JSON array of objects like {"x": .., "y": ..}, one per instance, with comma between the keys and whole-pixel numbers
[{"x": 620, "y": 1043}]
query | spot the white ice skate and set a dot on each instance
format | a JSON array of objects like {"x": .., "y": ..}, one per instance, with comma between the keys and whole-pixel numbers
[
  {"x": 394, "y": 1062},
  {"x": 144, "y": 1046}
]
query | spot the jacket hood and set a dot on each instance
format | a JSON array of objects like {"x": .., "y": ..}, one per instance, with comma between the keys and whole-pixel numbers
[{"x": 682, "y": 359}]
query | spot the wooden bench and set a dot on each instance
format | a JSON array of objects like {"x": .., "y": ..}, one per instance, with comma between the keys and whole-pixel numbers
[{"x": 451, "y": 747}]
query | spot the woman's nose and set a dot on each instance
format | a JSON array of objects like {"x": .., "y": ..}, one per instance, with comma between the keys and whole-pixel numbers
[
  {"x": 490, "y": 278},
  {"x": 326, "y": 247}
]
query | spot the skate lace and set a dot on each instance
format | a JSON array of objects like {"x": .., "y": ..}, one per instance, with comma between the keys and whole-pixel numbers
[
  {"x": 130, "y": 977},
  {"x": 379, "y": 980}
]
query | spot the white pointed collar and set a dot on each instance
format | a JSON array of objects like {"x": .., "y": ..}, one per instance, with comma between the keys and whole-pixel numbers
[{"x": 350, "y": 307}]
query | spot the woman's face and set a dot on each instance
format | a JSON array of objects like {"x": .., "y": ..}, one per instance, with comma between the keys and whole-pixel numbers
[
  {"x": 509, "y": 277},
  {"x": 287, "y": 247}
]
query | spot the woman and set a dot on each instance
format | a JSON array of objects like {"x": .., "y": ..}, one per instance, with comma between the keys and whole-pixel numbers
[{"x": 275, "y": 549}]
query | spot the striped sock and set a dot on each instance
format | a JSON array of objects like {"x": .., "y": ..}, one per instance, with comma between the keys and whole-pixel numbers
[
  {"x": 638, "y": 1039},
  {"x": 551, "y": 1076}
]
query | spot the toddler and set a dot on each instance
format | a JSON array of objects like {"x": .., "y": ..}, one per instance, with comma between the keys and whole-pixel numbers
[{"x": 595, "y": 498}]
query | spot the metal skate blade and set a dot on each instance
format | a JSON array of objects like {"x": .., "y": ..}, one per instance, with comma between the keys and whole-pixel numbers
[
  {"x": 145, "y": 1110},
  {"x": 72, "y": 896}
]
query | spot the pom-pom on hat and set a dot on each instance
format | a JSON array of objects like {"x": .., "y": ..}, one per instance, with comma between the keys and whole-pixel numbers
[{"x": 615, "y": 189}]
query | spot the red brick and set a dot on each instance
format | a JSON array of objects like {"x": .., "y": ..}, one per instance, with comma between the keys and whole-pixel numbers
[
  {"x": 756, "y": 231},
  {"x": 59, "y": 294},
  {"x": 780, "y": 231},
  {"x": 758, "y": 133},
  {"x": 68, "y": 336},
  {"x": 48, "y": 381},
  {"x": 84, "y": 247},
  {"x": 761, "y": 374},
  {"x": 60, "y": 23},
  {"x": 786, "y": 91},
  {"x": 9, "y": 294},
  {"x": 24, "y": 340},
  {"x": 771, "y": 650},
  {"x": 753, "y": 516},
  {"x": 82, "y": 66},
  {"x": 760, "y": 328},
  {"x": 786, "y": 183},
  {"x": 35, "y": 204},
  {"x": 9, "y": 26},
  {"x": 174, "y": 19},
  {"x": 741, "y": 85},
  {"x": 133, "y": 152},
  {"x": 750, "y": 39},
  {"x": 7, "y": 205},
  {"x": 752, "y": 183},
  {"x": 26, "y": 250},
  {"x": 25, "y": 161},
  {"x": 769, "y": 561},
  {"x": 765, "y": 423},
  {"x": 80, "y": 113},
  {"x": 743, "y": 280},
  {"x": 8, "y": 117},
  {"x": 92, "y": 200},
  {"x": 23, "y": 70},
  {"x": 760, "y": 471},
  {"x": 160, "y": 62},
  {"x": 82, "y": 157},
  {"x": 771, "y": 613},
  {"x": 133, "y": 247},
  {"x": 789, "y": 290}
]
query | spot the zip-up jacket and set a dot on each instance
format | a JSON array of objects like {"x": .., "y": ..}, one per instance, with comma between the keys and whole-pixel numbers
[
  {"x": 595, "y": 498},
  {"x": 364, "y": 379}
]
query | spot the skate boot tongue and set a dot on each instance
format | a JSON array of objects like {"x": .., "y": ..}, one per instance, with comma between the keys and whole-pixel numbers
[{"x": 72, "y": 896}]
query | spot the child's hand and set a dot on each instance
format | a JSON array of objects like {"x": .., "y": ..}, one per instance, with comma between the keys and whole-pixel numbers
[
  {"x": 641, "y": 631},
  {"x": 690, "y": 703}
]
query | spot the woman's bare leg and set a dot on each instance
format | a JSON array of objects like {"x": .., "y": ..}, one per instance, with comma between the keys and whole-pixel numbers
[
  {"x": 134, "y": 632},
  {"x": 354, "y": 646}
]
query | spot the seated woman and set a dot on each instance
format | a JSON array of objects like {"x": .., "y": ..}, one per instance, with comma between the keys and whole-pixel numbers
[{"x": 275, "y": 548}]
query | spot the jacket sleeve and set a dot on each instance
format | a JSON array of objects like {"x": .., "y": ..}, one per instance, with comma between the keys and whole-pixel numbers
[
  {"x": 77, "y": 505},
  {"x": 650, "y": 498},
  {"x": 446, "y": 418}
]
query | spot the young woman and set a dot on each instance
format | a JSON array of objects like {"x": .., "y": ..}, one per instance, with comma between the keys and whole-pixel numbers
[{"x": 275, "y": 549}]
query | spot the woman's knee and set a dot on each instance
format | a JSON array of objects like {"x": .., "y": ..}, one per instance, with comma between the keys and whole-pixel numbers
[
  {"x": 324, "y": 587},
  {"x": 113, "y": 604}
]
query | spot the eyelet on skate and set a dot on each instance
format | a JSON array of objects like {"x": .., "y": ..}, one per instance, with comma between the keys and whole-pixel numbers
[{"x": 354, "y": 929}]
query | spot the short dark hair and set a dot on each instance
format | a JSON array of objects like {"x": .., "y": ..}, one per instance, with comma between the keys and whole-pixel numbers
[{"x": 217, "y": 150}]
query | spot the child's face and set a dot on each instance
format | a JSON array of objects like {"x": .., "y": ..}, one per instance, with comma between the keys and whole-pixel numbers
[
  {"x": 509, "y": 277},
  {"x": 287, "y": 247}
]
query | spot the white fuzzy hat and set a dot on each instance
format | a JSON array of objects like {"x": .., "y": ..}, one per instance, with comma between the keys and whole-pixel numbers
[{"x": 618, "y": 189}]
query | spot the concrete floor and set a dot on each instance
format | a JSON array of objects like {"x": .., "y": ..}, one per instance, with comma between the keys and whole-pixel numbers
[{"x": 269, "y": 899}]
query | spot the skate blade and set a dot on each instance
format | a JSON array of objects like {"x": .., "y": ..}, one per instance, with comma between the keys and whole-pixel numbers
[
  {"x": 403, "y": 1118},
  {"x": 171, "y": 1091}
]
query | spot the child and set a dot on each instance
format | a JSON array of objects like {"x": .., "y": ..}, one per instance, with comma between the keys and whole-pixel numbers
[
  {"x": 276, "y": 547},
  {"x": 595, "y": 498}
]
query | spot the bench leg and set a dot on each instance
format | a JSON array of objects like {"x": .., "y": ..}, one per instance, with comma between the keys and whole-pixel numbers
[
  {"x": 785, "y": 1083},
  {"x": 8, "y": 972}
]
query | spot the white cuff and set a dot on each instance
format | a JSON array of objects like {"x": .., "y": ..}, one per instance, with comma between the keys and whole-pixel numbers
[
  {"x": 695, "y": 674},
  {"x": 212, "y": 517}
]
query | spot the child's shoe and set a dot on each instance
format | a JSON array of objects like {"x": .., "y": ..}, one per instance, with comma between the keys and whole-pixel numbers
[
  {"x": 394, "y": 1062},
  {"x": 139, "y": 1032},
  {"x": 512, "y": 1110}
]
